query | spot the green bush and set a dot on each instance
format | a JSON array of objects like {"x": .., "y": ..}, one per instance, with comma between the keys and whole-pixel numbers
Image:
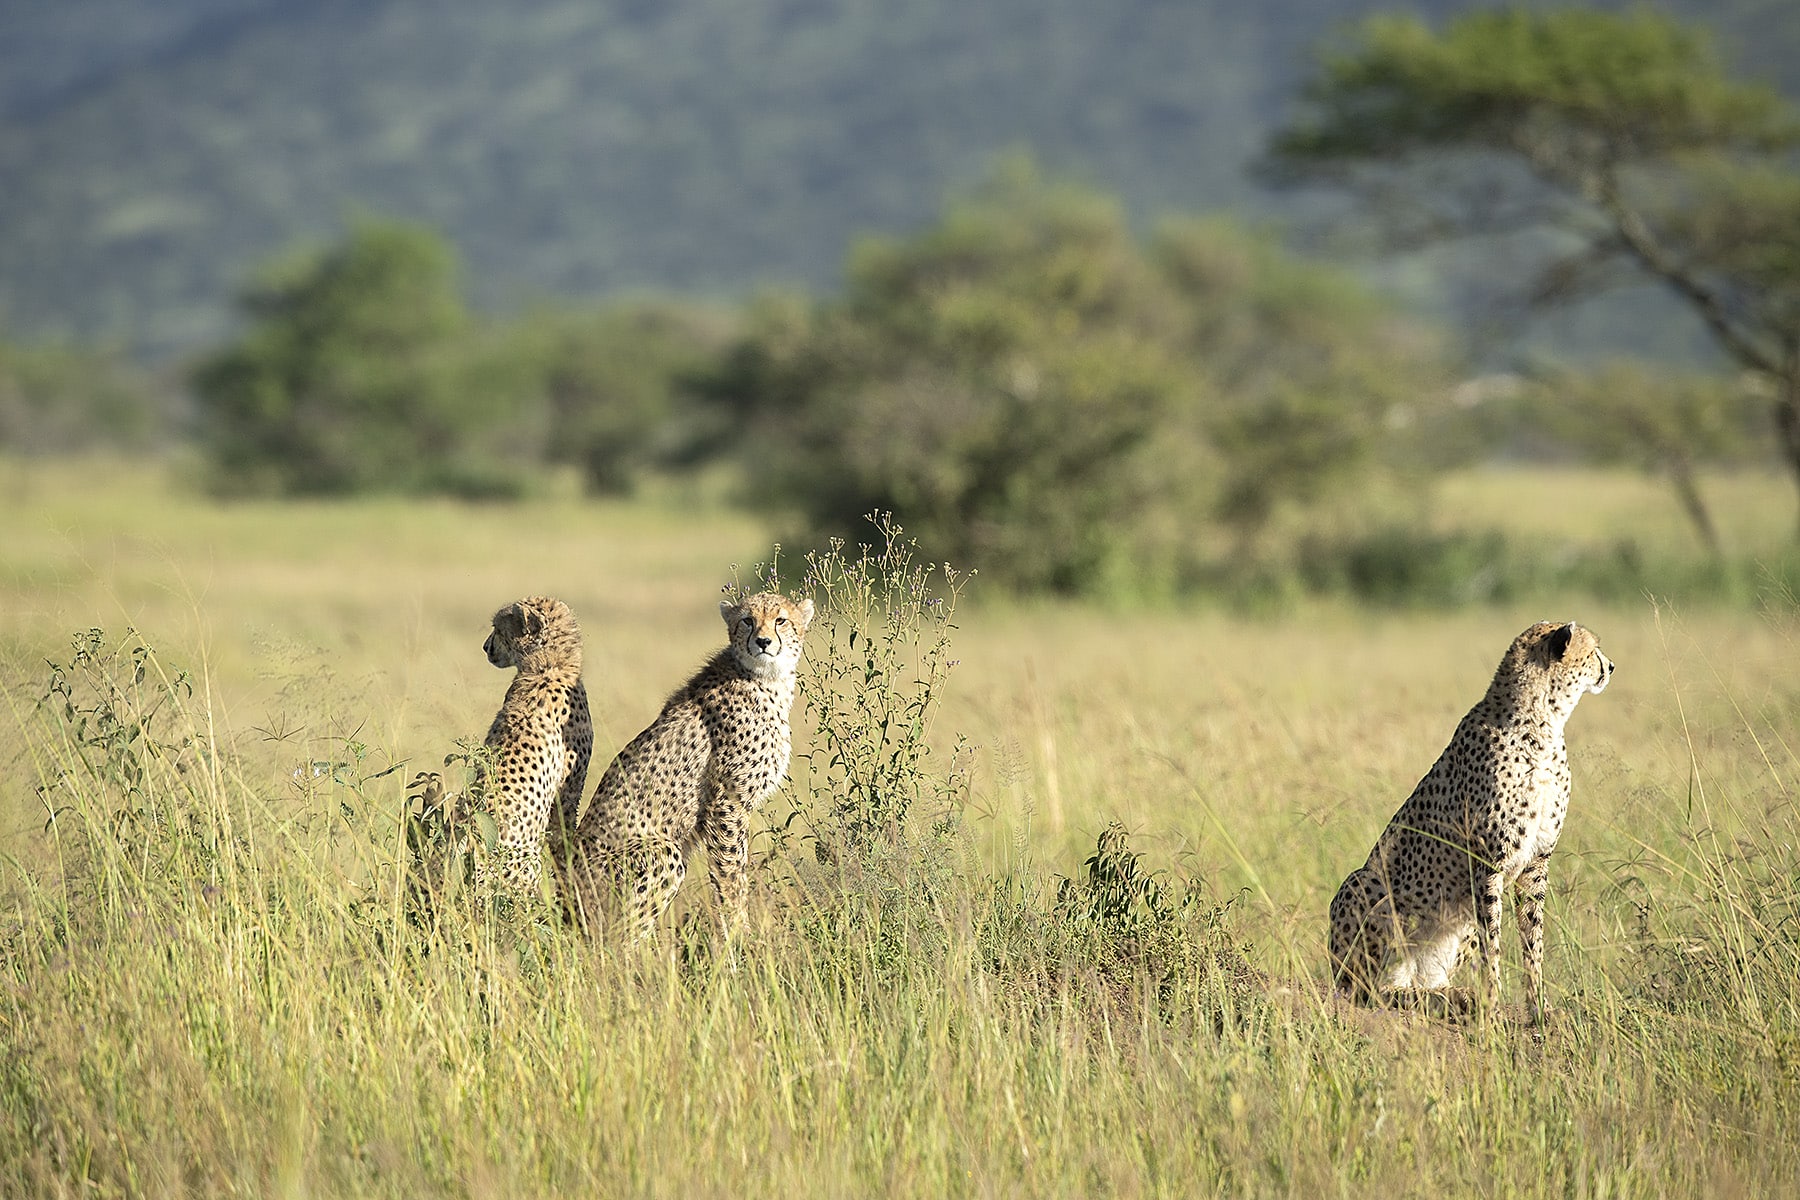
[
  {"x": 360, "y": 371},
  {"x": 1400, "y": 566},
  {"x": 1029, "y": 387},
  {"x": 62, "y": 399}
]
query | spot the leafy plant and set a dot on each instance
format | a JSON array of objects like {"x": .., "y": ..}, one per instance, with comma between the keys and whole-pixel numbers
[
  {"x": 1123, "y": 919},
  {"x": 877, "y": 661},
  {"x": 132, "y": 770}
]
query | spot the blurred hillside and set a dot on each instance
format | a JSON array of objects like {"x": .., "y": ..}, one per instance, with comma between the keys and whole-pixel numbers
[{"x": 152, "y": 153}]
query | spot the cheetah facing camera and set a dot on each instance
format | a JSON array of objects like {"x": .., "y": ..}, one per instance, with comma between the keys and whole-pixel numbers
[
  {"x": 1486, "y": 815},
  {"x": 717, "y": 750},
  {"x": 539, "y": 742}
]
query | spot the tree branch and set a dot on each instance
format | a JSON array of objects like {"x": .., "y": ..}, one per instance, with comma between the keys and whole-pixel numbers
[{"x": 1636, "y": 238}]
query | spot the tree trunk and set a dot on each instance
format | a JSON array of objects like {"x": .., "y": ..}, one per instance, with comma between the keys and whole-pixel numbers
[
  {"x": 1687, "y": 489},
  {"x": 1787, "y": 425}
]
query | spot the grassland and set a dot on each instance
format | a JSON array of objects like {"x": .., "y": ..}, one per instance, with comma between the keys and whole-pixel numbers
[{"x": 219, "y": 993}]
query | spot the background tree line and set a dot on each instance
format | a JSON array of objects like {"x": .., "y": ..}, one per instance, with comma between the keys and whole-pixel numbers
[{"x": 1038, "y": 388}]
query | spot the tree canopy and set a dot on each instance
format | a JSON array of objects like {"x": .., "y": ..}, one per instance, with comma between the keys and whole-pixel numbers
[
  {"x": 1032, "y": 389},
  {"x": 361, "y": 371},
  {"x": 1618, "y": 133}
]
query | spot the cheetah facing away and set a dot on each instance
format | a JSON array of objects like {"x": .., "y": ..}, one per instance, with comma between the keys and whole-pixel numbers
[
  {"x": 1487, "y": 814},
  {"x": 540, "y": 740},
  {"x": 717, "y": 750}
]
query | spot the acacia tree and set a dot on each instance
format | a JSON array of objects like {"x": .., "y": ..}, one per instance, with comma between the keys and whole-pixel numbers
[{"x": 1620, "y": 133}]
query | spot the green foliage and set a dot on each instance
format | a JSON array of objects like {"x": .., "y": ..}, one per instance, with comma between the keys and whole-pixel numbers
[
  {"x": 1663, "y": 423},
  {"x": 1309, "y": 368},
  {"x": 1131, "y": 925},
  {"x": 362, "y": 371},
  {"x": 129, "y": 791},
  {"x": 1399, "y": 566},
  {"x": 1515, "y": 78},
  {"x": 1742, "y": 222},
  {"x": 1028, "y": 387},
  {"x": 116, "y": 706}
]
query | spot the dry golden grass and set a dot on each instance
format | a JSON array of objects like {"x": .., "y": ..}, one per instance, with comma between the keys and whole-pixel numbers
[{"x": 271, "y": 1036}]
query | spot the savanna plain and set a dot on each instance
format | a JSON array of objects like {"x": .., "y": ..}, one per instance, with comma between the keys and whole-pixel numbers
[{"x": 1082, "y": 953}]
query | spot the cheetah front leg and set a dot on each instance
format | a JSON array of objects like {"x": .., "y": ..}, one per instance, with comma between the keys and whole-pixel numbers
[
  {"x": 1528, "y": 897},
  {"x": 639, "y": 876},
  {"x": 727, "y": 837},
  {"x": 653, "y": 870},
  {"x": 559, "y": 834},
  {"x": 1489, "y": 887}
]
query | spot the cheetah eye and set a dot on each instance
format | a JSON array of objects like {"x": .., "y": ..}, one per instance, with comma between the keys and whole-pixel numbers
[
  {"x": 747, "y": 621},
  {"x": 781, "y": 620}
]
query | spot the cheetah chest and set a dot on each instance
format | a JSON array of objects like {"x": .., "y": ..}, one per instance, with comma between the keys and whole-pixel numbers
[
  {"x": 1531, "y": 807},
  {"x": 753, "y": 744}
]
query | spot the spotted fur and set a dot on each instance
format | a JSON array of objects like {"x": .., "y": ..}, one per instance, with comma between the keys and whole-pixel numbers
[
  {"x": 717, "y": 750},
  {"x": 1486, "y": 815},
  {"x": 539, "y": 742}
]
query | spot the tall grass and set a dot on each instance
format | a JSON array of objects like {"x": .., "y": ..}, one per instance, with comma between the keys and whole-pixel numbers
[
  {"x": 1085, "y": 958},
  {"x": 210, "y": 986}
]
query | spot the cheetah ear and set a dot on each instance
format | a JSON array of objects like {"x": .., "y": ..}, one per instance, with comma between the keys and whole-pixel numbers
[
  {"x": 804, "y": 610},
  {"x": 728, "y": 611},
  {"x": 1558, "y": 641},
  {"x": 531, "y": 619}
]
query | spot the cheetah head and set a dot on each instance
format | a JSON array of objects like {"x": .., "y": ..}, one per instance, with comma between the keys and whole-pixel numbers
[
  {"x": 765, "y": 631},
  {"x": 1562, "y": 659},
  {"x": 536, "y": 630}
]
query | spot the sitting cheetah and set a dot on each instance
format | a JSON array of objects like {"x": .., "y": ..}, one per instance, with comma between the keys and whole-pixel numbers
[
  {"x": 718, "y": 749},
  {"x": 540, "y": 739},
  {"x": 1487, "y": 814}
]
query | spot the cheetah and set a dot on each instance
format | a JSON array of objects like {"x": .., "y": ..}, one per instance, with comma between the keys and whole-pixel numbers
[
  {"x": 1486, "y": 815},
  {"x": 717, "y": 750},
  {"x": 539, "y": 742}
]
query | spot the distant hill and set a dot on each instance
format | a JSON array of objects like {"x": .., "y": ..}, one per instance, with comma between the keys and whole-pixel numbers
[{"x": 152, "y": 153}]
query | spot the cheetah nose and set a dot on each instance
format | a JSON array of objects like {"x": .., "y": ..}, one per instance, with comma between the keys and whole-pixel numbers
[{"x": 762, "y": 643}]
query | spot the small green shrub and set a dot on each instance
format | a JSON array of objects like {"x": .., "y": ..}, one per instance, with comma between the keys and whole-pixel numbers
[
  {"x": 1129, "y": 923},
  {"x": 877, "y": 661},
  {"x": 130, "y": 771}
]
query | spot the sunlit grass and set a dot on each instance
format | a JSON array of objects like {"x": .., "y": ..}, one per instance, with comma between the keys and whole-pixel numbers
[{"x": 223, "y": 994}]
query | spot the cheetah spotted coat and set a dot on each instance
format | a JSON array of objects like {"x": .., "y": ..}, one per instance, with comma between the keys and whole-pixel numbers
[
  {"x": 1488, "y": 814},
  {"x": 539, "y": 742},
  {"x": 717, "y": 750}
]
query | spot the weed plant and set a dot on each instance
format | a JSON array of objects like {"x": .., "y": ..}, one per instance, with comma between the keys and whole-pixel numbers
[{"x": 878, "y": 660}]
